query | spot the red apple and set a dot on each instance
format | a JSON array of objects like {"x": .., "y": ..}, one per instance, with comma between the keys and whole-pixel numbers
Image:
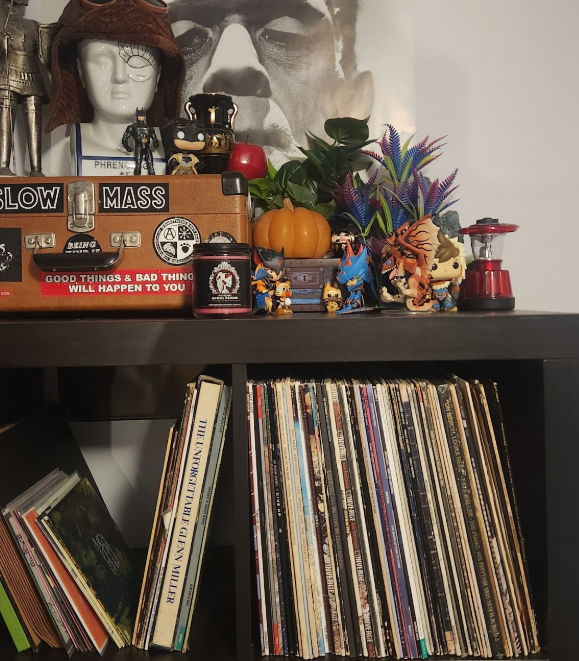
[{"x": 249, "y": 159}]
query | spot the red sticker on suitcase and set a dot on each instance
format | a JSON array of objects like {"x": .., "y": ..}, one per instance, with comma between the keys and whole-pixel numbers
[{"x": 122, "y": 282}]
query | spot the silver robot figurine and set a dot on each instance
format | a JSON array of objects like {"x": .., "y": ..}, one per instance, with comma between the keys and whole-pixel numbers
[{"x": 21, "y": 51}]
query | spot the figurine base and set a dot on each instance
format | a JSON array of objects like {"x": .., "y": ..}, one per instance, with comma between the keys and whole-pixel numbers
[{"x": 486, "y": 304}]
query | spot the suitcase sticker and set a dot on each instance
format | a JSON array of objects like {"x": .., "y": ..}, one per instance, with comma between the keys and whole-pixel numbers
[{"x": 10, "y": 254}]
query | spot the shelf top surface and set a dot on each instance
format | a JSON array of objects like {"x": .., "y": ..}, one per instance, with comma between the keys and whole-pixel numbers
[{"x": 299, "y": 338}]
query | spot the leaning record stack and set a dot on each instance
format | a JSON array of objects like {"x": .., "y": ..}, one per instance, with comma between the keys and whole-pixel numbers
[
  {"x": 384, "y": 521},
  {"x": 180, "y": 529}
]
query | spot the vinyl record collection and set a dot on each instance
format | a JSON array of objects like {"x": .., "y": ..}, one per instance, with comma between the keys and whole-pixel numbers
[
  {"x": 67, "y": 576},
  {"x": 385, "y": 520},
  {"x": 85, "y": 575},
  {"x": 180, "y": 528}
]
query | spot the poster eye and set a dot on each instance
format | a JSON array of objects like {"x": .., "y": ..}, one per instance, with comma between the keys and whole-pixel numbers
[
  {"x": 180, "y": 135},
  {"x": 200, "y": 136}
]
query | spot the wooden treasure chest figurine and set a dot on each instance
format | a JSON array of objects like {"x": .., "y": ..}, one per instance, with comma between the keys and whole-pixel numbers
[{"x": 111, "y": 243}]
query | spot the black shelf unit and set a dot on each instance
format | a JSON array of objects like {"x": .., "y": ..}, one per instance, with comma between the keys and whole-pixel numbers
[{"x": 533, "y": 356}]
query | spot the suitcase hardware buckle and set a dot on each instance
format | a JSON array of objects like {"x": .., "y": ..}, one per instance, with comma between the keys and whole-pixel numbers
[
  {"x": 34, "y": 241},
  {"x": 126, "y": 239},
  {"x": 81, "y": 206}
]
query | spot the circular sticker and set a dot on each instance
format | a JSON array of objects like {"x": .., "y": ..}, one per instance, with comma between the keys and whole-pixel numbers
[
  {"x": 220, "y": 237},
  {"x": 82, "y": 244},
  {"x": 174, "y": 240}
]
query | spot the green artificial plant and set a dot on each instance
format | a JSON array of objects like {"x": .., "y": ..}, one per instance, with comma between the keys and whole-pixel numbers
[{"x": 312, "y": 183}]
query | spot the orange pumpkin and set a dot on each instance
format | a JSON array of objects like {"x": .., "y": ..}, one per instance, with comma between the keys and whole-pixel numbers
[{"x": 300, "y": 232}]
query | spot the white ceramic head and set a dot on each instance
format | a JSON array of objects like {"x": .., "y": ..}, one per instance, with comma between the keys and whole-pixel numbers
[{"x": 118, "y": 78}]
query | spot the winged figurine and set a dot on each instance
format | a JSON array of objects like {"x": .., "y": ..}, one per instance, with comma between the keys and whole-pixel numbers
[{"x": 407, "y": 261}]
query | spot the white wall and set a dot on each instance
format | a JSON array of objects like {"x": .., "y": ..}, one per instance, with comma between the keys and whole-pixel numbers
[{"x": 500, "y": 78}]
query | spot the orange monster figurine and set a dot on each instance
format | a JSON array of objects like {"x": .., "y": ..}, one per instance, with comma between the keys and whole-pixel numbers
[{"x": 408, "y": 259}]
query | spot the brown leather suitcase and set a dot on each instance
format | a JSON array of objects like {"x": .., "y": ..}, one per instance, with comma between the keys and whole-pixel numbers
[{"x": 111, "y": 243}]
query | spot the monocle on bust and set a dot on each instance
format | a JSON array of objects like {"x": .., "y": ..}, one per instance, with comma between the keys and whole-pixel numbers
[
  {"x": 118, "y": 78},
  {"x": 109, "y": 58}
]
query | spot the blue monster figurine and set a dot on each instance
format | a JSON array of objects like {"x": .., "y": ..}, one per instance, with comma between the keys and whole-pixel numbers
[{"x": 354, "y": 272}]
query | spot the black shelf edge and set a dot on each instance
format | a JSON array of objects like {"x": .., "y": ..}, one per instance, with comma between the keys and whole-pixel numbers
[
  {"x": 134, "y": 654},
  {"x": 111, "y": 654},
  {"x": 303, "y": 337},
  {"x": 330, "y": 657}
]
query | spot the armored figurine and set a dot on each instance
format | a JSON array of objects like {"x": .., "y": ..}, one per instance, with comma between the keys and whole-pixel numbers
[
  {"x": 354, "y": 273},
  {"x": 143, "y": 135},
  {"x": 271, "y": 286},
  {"x": 23, "y": 48}
]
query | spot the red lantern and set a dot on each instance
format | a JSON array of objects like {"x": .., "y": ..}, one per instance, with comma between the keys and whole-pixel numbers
[{"x": 487, "y": 285}]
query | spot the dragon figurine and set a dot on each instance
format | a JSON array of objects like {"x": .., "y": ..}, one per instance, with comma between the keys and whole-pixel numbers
[{"x": 408, "y": 257}]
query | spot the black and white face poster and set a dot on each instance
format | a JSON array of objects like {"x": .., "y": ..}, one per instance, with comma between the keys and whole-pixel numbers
[{"x": 292, "y": 64}]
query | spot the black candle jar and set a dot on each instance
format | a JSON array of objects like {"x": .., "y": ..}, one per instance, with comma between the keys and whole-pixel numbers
[{"x": 222, "y": 280}]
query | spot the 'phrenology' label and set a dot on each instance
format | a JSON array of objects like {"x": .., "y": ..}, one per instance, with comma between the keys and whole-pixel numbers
[{"x": 141, "y": 198}]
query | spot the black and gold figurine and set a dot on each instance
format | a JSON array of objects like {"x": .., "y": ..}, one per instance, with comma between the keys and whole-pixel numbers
[
  {"x": 143, "y": 137},
  {"x": 201, "y": 143},
  {"x": 182, "y": 140},
  {"x": 215, "y": 114}
]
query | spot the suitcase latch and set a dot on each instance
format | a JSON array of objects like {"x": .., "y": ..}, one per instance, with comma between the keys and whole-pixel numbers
[
  {"x": 32, "y": 241},
  {"x": 126, "y": 239},
  {"x": 81, "y": 206}
]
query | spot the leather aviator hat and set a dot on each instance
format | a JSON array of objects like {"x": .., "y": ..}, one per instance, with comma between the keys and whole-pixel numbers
[{"x": 143, "y": 22}]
